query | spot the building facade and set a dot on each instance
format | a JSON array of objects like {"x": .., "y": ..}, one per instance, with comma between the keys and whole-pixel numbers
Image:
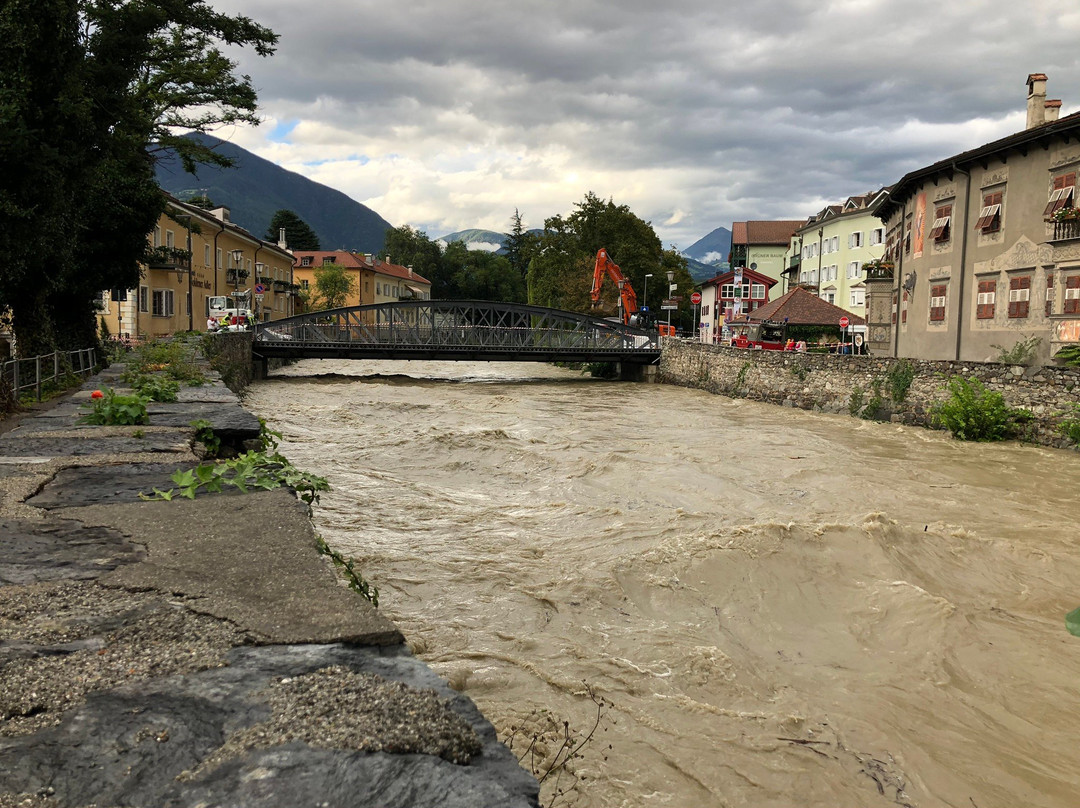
[
  {"x": 729, "y": 294},
  {"x": 376, "y": 281},
  {"x": 827, "y": 253},
  {"x": 196, "y": 254},
  {"x": 984, "y": 247},
  {"x": 762, "y": 246}
]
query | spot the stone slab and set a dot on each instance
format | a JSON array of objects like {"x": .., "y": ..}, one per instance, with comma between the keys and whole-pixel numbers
[
  {"x": 91, "y": 485},
  {"x": 92, "y": 443},
  {"x": 229, "y": 421},
  {"x": 148, "y": 744},
  {"x": 249, "y": 559},
  {"x": 59, "y": 549}
]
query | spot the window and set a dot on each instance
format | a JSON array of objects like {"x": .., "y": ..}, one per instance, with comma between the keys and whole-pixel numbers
[
  {"x": 757, "y": 291},
  {"x": 858, "y": 297},
  {"x": 144, "y": 299},
  {"x": 1049, "y": 295},
  {"x": 170, "y": 242},
  {"x": 1019, "y": 297},
  {"x": 829, "y": 297},
  {"x": 103, "y": 301},
  {"x": 854, "y": 269},
  {"x": 305, "y": 261},
  {"x": 327, "y": 260},
  {"x": 877, "y": 236},
  {"x": 990, "y": 216},
  {"x": 1072, "y": 295},
  {"x": 835, "y": 243},
  {"x": 157, "y": 236},
  {"x": 163, "y": 303},
  {"x": 895, "y": 306},
  {"x": 937, "y": 304},
  {"x": 1062, "y": 195},
  {"x": 984, "y": 304},
  {"x": 303, "y": 283},
  {"x": 804, "y": 277},
  {"x": 903, "y": 310},
  {"x": 942, "y": 217},
  {"x": 907, "y": 239},
  {"x": 206, "y": 255},
  {"x": 219, "y": 264},
  {"x": 855, "y": 239}
]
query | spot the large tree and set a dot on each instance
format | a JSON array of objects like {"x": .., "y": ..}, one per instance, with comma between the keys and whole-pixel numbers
[
  {"x": 481, "y": 275},
  {"x": 90, "y": 91},
  {"x": 333, "y": 286},
  {"x": 298, "y": 233},
  {"x": 408, "y": 247}
]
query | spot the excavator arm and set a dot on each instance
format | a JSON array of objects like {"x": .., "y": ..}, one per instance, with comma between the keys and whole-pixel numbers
[{"x": 605, "y": 266}]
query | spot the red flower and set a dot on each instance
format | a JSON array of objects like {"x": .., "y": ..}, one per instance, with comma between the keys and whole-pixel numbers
[{"x": 97, "y": 394}]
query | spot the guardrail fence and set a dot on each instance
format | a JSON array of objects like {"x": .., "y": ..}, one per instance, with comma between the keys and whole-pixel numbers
[{"x": 30, "y": 373}]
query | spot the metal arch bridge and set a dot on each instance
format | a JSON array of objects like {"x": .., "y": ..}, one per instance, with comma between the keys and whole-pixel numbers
[{"x": 454, "y": 330}]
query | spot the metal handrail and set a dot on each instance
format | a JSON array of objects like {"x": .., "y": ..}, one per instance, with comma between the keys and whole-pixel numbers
[{"x": 27, "y": 372}]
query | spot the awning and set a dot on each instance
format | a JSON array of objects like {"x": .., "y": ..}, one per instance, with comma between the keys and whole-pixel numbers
[{"x": 417, "y": 292}]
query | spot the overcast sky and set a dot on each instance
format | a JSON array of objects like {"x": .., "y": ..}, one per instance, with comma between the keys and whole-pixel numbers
[{"x": 448, "y": 114}]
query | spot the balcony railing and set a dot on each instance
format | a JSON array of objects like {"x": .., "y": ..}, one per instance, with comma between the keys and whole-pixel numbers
[
  {"x": 1065, "y": 230},
  {"x": 879, "y": 271},
  {"x": 237, "y": 275},
  {"x": 168, "y": 258}
]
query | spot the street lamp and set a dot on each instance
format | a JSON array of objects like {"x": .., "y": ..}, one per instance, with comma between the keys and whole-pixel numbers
[
  {"x": 645, "y": 293},
  {"x": 671, "y": 286}
]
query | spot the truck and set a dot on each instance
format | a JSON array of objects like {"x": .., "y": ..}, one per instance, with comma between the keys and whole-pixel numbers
[
  {"x": 631, "y": 314},
  {"x": 769, "y": 335},
  {"x": 230, "y": 312}
]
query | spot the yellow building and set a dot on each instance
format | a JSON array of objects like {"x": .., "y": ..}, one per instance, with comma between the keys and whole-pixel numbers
[
  {"x": 196, "y": 254},
  {"x": 377, "y": 281}
]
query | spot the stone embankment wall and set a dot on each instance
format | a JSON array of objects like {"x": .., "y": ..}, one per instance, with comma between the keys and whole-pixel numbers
[{"x": 862, "y": 385}]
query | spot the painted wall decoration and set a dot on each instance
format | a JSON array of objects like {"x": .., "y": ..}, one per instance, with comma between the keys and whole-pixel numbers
[{"x": 919, "y": 226}]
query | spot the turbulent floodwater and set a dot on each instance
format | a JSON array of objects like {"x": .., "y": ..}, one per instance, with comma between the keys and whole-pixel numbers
[{"x": 785, "y": 608}]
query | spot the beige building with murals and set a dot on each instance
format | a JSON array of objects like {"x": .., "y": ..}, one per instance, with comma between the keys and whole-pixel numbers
[
  {"x": 985, "y": 247},
  {"x": 197, "y": 254}
]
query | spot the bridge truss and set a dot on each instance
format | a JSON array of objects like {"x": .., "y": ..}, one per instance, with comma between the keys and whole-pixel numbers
[{"x": 455, "y": 330}]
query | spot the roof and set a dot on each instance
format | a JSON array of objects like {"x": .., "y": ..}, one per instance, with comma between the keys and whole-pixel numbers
[
  {"x": 738, "y": 232},
  {"x": 1069, "y": 126},
  {"x": 358, "y": 261},
  {"x": 748, "y": 274},
  {"x": 208, "y": 217},
  {"x": 800, "y": 307},
  {"x": 774, "y": 232}
]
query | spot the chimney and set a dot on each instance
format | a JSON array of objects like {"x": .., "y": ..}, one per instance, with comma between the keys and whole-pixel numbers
[
  {"x": 281, "y": 238},
  {"x": 410, "y": 271},
  {"x": 1052, "y": 109},
  {"x": 222, "y": 213},
  {"x": 1036, "y": 100}
]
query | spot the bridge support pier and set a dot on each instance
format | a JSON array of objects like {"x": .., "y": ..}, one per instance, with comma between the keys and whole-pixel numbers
[{"x": 635, "y": 372}]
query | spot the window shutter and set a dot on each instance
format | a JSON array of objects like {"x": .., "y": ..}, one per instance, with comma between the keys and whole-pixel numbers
[
  {"x": 984, "y": 309},
  {"x": 1072, "y": 295}
]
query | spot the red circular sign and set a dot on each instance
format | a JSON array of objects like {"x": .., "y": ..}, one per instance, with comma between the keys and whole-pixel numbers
[
  {"x": 695, "y": 298},
  {"x": 844, "y": 321}
]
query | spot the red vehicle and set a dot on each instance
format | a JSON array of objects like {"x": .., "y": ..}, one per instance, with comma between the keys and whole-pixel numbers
[
  {"x": 768, "y": 335},
  {"x": 631, "y": 315}
]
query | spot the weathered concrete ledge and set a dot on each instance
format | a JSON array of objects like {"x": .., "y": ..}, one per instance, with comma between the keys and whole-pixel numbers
[
  {"x": 201, "y": 652},
  {"x": 836, "y": 384}
]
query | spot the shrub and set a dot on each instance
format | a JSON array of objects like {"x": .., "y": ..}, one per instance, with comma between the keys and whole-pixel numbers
[
  {"x": 1019, "y": 354},
  {"x": 1070, "y": 427},
  {"x": 106, "y": 408},
  {"x": 155, "y": 387},
  {"x": 899, "y": 377},
  {"x": 974, "y": 413}
]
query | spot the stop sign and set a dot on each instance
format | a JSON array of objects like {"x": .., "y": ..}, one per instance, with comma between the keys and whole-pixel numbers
[
  {"x": 844, "y": 322},
  {"x": 695, "y": 298}
]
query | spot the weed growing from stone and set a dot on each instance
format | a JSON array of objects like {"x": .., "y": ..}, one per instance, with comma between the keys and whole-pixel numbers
[
  {"x": 899, "y": 377},
  {"x": 106, "y": 408},
  {"x": 348, "y": 568},
  {"x": 205, "y": 434},
  {"x": 1019, "y": 354},
  {"x": 1070, "y": 427},
  {"x": 155, "y": 386},
  {"x": 855, "y": 403}
]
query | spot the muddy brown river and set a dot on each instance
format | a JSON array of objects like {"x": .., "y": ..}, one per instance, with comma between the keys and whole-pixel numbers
[{"x": 784, "y": 608}]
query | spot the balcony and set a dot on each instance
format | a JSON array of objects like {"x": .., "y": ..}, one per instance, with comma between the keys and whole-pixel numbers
[
  {"x": 280, "y": 286},
  {"x": 1066, "y": 230},
  {"x": 236, "y": 275},
  {"x": 171, "y": 258},
  {"x": 879, "y": 270}
]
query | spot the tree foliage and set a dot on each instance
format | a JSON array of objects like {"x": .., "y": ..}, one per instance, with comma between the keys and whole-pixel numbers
[
  {"x": 333, "y": 286},
  {"x": 90, "y": 90},
  {"x": 298, "y": 233}
]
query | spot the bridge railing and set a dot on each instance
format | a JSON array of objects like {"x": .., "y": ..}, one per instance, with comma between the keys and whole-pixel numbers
[{"x": 453, "y": 324}]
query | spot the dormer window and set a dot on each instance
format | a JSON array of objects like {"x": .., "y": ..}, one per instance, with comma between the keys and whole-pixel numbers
[{"x": 305, "y": 261}]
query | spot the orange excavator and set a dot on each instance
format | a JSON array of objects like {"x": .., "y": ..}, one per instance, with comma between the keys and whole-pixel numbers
[{"x": 631, "y": 315}]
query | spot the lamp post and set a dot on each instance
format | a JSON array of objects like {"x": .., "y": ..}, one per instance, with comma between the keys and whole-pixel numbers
[
  {"x": 671, "y": 286},
  {"x": 645, "y": 293}
]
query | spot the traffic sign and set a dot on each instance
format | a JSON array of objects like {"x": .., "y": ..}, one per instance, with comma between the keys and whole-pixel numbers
[
  {"x": 259, "y": 288},
  {"x": 844, "y": 322},
  {"x": 695, "y": 298}
]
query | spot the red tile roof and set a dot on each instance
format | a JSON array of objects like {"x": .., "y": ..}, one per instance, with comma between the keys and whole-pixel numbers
[
  {"x": 738, "y": 232},
  {"x": 356, "y": 260},
  {"x": 765, "y": 232},
  {"x": 800, "y": 307}
]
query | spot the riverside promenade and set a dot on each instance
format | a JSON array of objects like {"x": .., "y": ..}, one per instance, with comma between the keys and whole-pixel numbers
[{"x": 201, "y": 652}]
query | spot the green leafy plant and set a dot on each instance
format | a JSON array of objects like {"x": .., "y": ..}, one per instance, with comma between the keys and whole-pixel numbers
[
  {"x": 175, "y": 357},
  {"x": 1070, "y": 427},
  {"x": 205, "y": 434},
  {"x": 1070, "y": 355},
  {"x": 348, "y": 567},
  {"x": 740, "y": 378},
  {"x": 1019, "y": 354},
  {"x": 856, "y": 401},
  {"x": 106, "y": 408},
  {"x": 875, "y": 407},
  {"x": 155, "y": 387},
  {"x": 974, "y": 413},
  {"x": 899, "y": 377}
]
